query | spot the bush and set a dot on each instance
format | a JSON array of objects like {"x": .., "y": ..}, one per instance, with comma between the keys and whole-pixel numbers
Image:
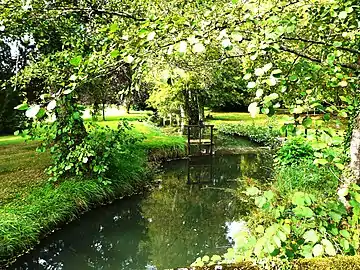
[
  {"x": 264, "y": 135},
  {"x": 294, "y": 151},
  {"x": 93, "y": 156}
]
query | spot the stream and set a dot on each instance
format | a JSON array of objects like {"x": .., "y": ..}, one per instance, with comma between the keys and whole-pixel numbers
[{"x": 191, "y": 212}]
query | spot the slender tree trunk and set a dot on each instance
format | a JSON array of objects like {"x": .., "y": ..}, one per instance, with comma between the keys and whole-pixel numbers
[
  {"x": 103, "y": 111},
  {"x": 128, "y": 105},
  {"x": 182, "y": 119},
  {"x": 355, "y": 150}
]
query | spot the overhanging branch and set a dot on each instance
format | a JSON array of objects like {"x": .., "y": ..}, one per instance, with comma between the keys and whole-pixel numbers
[
  {"x": 322, "y": 43},
  {"x": 355, "y": 67},
  {"x": 99, "y": 11}
]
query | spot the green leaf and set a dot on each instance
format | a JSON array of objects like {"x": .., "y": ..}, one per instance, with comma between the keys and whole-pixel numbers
[
  {"x": 357, "y": 197},
  {"x": 277, "y": 241},
  {"x": 337, "y": 43},
  {"x": 22, "y": 107},
  {"x": 311, "y": 236},
  {"x": 329, "y": 248},
  {"x": 303, "y": 212},
  {"x": 340, "y": 166},
  {"x": 307, "y": 122},
  {"x": 318, "y": 250},
  {"x": 320, "y": 161},
  {"x": 349, "y": 9},
  {"x": 215, "y": 258},
  {"x": 306, "y": 251},
  {"x": 205, "y": 258},
  {"x": 76, "y": 115},
  {"x": 344, "y": 243},
  {"x": 76, "y": 61},
  {"x": 251, "y": 191},
  {"x": 198, "y": 48},
  {"x": 281, "y": 235},
  {"x": 128, "y": 59},
  {"x": 114, "y": 27},
  {"x": 342, "y": 15},
  {"x": 41, "y": 113},
  {"x": 298, "y": 199},
  {"x": 51, "y": 105},
  {"x": 269, "y": 195},
  {"x": 251, "y": 85},
  {"x": 260, "y": 229},
  {"x": 32, "y": 111},
  {"x": 293, "y": 78},
  {"x": 115, "y": 53},
  {"x": 260, "y": 201},
  {"x": 345, "y": 234}
]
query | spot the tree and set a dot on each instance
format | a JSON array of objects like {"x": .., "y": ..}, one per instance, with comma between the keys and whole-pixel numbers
[{"x": 283, "y": 48}]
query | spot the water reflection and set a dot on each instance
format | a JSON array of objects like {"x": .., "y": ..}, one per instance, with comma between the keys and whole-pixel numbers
[{"x": 169, "y": 227}]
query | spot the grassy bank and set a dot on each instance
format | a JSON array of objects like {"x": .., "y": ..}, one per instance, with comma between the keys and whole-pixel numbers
[{"x": 30, "y": 207}]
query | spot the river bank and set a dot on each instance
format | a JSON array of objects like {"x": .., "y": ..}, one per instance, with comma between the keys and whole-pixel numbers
[{"x": 31, "y": 207}]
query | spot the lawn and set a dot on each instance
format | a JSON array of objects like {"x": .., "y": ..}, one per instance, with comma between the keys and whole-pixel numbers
[{"x": 22, "y": 168}]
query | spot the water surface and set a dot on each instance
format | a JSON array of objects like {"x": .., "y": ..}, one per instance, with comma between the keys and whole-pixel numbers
[{"x": 188, "y": 214}]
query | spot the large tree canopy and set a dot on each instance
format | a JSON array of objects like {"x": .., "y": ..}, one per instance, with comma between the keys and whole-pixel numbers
[{"x": 303, "y": 55}]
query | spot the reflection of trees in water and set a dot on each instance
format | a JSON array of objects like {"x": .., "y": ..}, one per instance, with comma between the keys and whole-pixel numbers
[
  {"x": 188, "y": 221},
  {"x": 106, "y": 238}
]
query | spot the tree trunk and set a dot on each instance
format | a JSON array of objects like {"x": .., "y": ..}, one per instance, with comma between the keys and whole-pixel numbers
[
  {"x": 128, "y": 105},
  {"x": 201, "y": 108},
  {"x": 182, "y": 119},
  {"x": 103, "y": 111},
  {"x": 355, "y": 150},
  {"x": 353, "y": 174}
]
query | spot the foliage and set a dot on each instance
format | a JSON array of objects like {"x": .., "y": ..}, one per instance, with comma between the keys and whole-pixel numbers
[
  {"x": 303, "y": 228},
  {"x": 264, "y": 135},
  {"x": 294, "y": 151}
]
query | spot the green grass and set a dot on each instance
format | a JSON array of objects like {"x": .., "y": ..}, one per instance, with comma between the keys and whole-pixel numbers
[
  {"x": 305, "y": 177},
  {"x": 236, "y": 117},
  {"x": 30, "y": 206},
  {"x": 11, "y": 139}
]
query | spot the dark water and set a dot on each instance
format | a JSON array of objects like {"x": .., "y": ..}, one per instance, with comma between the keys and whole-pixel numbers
[{"x": 188, "y": 215}]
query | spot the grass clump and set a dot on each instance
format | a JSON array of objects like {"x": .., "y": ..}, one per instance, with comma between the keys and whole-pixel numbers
[{"x": 307, "y": 177}]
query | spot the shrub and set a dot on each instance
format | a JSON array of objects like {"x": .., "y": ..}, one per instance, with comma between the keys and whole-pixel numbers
[
  {"x": 302, "y": 228},
  {"x": 264, "y": 135},
  {"x": 294, "y": 151},
  {"x": 94, "y": 155}
]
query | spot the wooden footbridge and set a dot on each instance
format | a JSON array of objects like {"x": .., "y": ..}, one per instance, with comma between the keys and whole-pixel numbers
[{"x": 200, "y": 139}]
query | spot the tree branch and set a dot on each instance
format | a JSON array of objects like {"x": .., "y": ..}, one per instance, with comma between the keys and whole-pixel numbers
[
  {"x": 99, "y": 11},
  {"x": 355, "y": 67},
  {"x": 322, "y": 43}
]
